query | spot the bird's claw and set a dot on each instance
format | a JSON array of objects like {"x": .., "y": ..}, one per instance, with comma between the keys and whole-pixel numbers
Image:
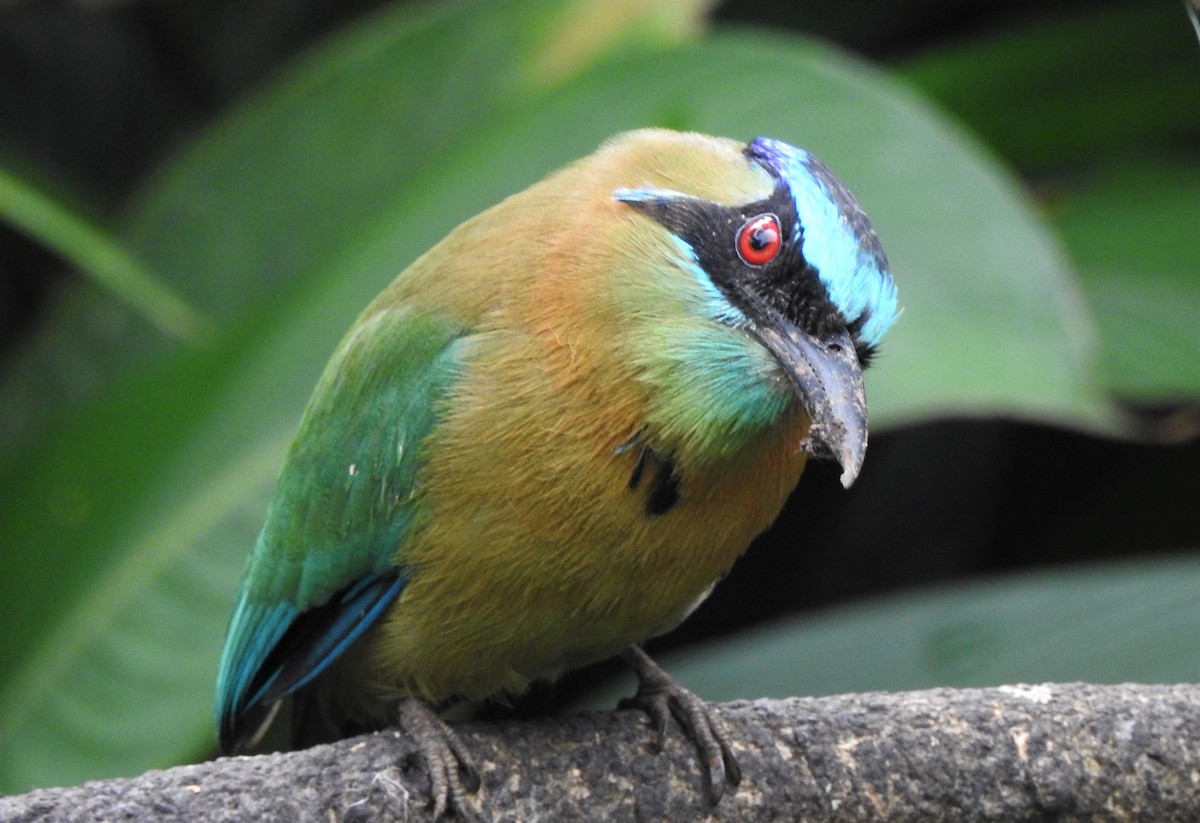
[
  {"x": 445, "y": 757},
  {"x": 662, "y": 697}
]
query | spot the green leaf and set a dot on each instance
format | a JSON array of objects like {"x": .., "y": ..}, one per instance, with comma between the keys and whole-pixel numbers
[
  {"x": 1068, "y": 88},
  {"x": 1133, "y": 229},
  {"x": 268, "y": 193},
  {"x": 130, "y": 630},
  {"x": 52, "y": 222},
  {"x": 1131, "y": 621}
]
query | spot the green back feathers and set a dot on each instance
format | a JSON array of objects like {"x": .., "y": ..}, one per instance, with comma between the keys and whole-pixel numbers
[
  {"x": 344, "y": 504},
  {"x": 345, "y": 498}
]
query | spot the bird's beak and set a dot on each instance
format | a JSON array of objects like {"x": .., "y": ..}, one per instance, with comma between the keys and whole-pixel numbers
[{"x": 828, "y": 379}]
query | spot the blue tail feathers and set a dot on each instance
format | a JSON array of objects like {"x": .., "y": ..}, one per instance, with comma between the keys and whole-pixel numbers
[{"x": 274, "y": 651}]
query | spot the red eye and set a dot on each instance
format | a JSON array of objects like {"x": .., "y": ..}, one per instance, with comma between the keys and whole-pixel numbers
[{"x": 759, "y": 240}]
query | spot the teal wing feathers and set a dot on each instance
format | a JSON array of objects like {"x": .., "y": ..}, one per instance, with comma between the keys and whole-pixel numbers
[{"x": 329, "y": 559}]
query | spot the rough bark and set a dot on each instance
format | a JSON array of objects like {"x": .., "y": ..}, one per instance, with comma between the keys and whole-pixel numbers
[{"x": 1019, "y": 753}]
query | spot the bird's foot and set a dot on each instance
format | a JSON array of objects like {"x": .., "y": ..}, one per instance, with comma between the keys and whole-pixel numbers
[
  {"x": 662, "y": 696},
  {"x": 445, "y": 757}
]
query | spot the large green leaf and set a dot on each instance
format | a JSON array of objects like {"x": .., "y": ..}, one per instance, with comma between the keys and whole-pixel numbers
[
  {"x": 45, "y": 217},
  {"x": 280, "y": 184},
  {"x": 1131, "y": 621},
  {"x": 1134, "y": 231},
  {"x": 1068, "y": 87},
  {"x": 127, "y": 637}
]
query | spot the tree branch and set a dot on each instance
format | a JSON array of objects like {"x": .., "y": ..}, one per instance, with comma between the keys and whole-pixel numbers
[{"x": 1052, "y": 752}]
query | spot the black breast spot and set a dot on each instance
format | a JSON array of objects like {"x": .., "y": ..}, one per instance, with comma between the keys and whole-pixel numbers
[{"x": 663, "y": 491}]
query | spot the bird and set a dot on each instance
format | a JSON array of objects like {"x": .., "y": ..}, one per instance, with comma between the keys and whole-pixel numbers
[{"x": 551, "y": 435}]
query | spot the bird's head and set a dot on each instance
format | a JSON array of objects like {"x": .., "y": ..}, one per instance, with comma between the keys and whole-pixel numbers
[{"x": 785, "y": 256}]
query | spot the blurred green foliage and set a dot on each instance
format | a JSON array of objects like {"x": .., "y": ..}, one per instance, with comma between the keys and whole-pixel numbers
[
  {"x": 137, "y": 457},
  {"x": 963, "y": 635}
]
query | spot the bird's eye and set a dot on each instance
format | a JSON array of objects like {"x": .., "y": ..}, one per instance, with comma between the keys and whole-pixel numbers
[{"x": 759, "y": 240}]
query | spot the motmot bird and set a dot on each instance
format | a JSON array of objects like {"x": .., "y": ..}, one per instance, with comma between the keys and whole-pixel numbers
[{"x": 548, "y": 438}]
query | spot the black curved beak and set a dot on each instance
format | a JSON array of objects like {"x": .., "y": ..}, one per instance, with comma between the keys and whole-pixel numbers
[{"x": 827, "y": 378}]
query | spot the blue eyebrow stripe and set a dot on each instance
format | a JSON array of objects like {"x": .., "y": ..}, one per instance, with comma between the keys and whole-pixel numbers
[
  {"x": 648, "y": 194},
  {"x": 835, "y": 237}
]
